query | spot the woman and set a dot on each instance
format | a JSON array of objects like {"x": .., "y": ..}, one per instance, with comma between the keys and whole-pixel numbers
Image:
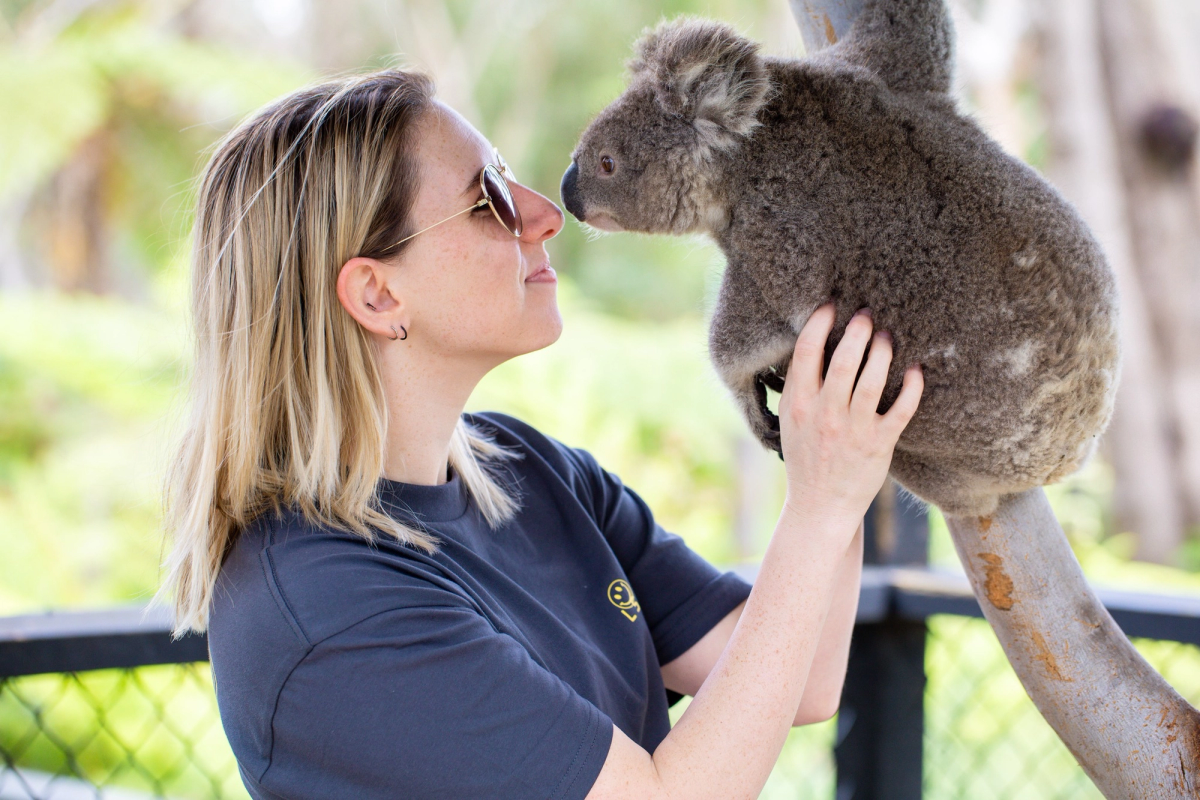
[{"x": 403, "y": 600}]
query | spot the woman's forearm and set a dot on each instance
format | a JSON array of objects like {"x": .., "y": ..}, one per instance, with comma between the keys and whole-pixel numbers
[
  {"x": 743, "y": 712},
  {"x": 836, "y": 449},
  {"x": 823, "y": 691}
]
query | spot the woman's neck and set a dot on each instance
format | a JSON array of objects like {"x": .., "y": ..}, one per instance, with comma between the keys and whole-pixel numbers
[{"x": 426, "y": 394}]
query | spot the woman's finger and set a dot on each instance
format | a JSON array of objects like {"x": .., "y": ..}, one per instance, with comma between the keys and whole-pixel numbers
[
  {"x": 897, "y": 417},
  {"x": 868, "y": 390},
  {"x": 809, "y": 355},
  {"x": 847, "y": 358}
]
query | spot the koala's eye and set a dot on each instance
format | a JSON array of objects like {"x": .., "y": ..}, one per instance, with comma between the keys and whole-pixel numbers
[{"x": 607, "y": 165}]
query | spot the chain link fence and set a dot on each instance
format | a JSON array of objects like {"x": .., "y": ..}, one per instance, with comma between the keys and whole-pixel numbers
[
  {"x": 154, "y": 731},
  {"x": 985, "y": 740},
  {"x": 116, "y": 734}
]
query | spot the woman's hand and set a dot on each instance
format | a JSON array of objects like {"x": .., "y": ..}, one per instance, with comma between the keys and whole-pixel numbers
[{"x": 836, "y": 447}]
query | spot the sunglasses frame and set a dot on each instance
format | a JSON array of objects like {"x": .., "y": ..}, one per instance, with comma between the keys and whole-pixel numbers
[{"x": 501, "y": 174}]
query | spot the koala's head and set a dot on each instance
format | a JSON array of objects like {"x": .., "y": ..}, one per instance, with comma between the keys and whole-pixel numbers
[{"x": 648, "y": 162}]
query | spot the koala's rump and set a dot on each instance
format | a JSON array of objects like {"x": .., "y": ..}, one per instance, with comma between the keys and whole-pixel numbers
[{"x": 983, "y": 273}]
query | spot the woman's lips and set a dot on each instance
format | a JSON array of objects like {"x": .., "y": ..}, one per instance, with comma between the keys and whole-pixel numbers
[{"x": 543, "y": 275}]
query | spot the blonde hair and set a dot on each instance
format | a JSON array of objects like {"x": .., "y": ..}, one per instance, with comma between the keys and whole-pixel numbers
[{"x": 287, "y": 400}]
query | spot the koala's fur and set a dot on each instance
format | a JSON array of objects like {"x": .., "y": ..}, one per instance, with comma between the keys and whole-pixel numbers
[{"x": 853, "y": 176}]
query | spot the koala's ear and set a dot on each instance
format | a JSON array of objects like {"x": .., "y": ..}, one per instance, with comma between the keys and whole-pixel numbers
[{"x": 707, "y": 72}]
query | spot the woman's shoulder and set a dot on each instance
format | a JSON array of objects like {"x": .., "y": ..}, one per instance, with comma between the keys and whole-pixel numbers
[
  {"x": 288, "y": 585},
  {"x": 288, "y": 573}
]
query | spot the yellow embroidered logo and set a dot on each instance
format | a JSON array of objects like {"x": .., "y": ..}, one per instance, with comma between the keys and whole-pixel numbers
[{"x": 620, "y": 594}]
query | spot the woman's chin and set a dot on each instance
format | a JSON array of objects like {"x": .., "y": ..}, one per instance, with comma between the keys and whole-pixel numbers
[{"x": 548, "y": 332}]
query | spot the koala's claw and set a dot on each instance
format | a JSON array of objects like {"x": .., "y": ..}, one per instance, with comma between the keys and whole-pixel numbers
[{"x": 773, "y": 378}]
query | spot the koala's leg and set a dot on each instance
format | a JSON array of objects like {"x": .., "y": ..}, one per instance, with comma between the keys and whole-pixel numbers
[
  {"x": 751, "y": 348},
  {"x": 907, "y": 43}
]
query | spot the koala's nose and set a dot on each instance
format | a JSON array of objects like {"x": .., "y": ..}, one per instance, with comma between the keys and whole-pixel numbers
[{"x": 569, "y": 192}]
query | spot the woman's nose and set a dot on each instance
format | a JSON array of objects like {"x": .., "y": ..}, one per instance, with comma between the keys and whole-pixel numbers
[{"x": 541, "y": 218}]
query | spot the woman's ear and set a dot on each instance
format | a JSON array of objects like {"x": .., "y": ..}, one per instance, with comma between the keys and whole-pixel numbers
[{"x": 363, "y": 290}]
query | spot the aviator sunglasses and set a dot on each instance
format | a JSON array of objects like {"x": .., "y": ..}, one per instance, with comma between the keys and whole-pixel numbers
[{"x": 493, "y": 182}]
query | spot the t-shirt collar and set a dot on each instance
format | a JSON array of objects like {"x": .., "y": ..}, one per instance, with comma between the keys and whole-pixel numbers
[{"x": 441, "y": 503}]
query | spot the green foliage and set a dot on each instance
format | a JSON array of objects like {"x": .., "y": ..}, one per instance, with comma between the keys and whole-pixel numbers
[
  {"x": 23, "y": 431},
  {"x": 154, "y": 730},
  {"x": 52, "y": 101},
  {"x": 80, "y": 516},
  {"x": 159, "y": 100},
  {"x": 79, "y": 512}
]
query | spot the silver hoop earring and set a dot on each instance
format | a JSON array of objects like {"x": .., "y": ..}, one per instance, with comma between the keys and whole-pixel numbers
[{"x": 395, "y": 337}]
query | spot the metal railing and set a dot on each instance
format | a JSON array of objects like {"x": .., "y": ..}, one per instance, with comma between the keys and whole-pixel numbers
[{"x": 105, "y": 705}]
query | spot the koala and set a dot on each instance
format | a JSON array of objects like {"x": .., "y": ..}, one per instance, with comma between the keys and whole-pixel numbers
[{"x": 851, "y": 176}]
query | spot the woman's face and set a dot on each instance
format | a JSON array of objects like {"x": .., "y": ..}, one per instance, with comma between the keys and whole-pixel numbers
[{"x": 471, "y": 289}]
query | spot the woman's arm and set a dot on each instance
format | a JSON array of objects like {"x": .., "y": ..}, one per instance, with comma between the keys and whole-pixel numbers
[
  {"x": 837, "y": 450},
  {"x": 823, "y": 690}
]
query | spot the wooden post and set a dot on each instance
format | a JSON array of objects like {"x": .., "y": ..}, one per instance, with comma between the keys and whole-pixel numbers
[{"x": 881, "y": 717}]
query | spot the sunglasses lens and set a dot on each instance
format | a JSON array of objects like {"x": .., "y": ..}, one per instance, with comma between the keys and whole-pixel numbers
[{"x": 502, "y": 199}]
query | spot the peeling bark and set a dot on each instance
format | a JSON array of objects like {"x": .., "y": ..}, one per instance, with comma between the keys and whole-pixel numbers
[{"x": 1134, "y": 736}]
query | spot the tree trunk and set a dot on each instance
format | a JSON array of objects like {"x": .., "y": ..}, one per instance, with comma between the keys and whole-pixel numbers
[
  {"x": 1150, "y": 118},
  {"x": 1134, "y": 736},
  {"x": 1084, "y": 163},
  {"x": 74, "y": 216},
  {"x": 12, "y": 268}
]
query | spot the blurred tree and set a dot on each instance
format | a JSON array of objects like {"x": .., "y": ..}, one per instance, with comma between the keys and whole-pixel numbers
[
  {"x": 1120, "y": 105},
  {"x": 106, "y": 108}
]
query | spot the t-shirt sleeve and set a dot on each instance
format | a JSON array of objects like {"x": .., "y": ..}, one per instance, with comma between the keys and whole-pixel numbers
[
  {"x": 681, "y": 595},
  {"x": 431, "y": 702}
]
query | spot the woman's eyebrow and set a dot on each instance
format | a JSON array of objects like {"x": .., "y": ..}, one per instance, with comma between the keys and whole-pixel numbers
[{"x": 474, "y": 182}]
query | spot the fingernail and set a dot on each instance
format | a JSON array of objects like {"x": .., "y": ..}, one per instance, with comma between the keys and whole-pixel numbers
[
  {"x": 885, "y": 335},
  {"x": 864, "y": 312}
]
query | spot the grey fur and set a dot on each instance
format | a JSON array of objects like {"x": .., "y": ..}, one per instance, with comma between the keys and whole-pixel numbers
[{"x": 853, "y": 176}]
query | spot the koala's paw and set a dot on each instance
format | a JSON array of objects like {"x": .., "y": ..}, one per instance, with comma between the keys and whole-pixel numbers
[{"x": 763, "y": 422}]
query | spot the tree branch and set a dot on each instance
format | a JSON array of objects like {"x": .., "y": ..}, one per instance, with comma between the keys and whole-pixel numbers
[
  {"x": 1134, "y": 736},
  {"x": 824, "y": 22}
]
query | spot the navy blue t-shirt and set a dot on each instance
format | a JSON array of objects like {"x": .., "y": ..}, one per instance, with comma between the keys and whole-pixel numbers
[{"x": 494, "y": 668}]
